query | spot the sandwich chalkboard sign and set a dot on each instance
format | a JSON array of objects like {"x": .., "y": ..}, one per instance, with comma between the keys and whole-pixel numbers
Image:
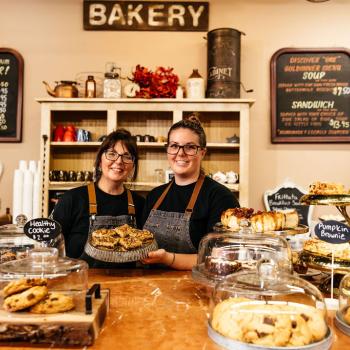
[
  {"x": 287, "y": 196},
  {"x": 11, "y": 95},
  {"x": 310, "y": 95}
]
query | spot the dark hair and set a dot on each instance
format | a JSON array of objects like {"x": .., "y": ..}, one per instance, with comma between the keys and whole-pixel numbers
[
  {"x": 109, "y": 142},
  {"x": 192, "y": 123}
]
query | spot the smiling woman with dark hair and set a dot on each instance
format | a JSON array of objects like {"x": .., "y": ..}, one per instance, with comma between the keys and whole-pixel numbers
[
  {"x": 182, "y": 212},
  {"x": 116, "y": 161}
]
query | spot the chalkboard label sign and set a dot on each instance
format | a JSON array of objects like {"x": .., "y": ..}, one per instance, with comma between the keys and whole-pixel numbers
[
  {"x": 42, "y": 229},
  {"x": 310, "y": 95},
  {"x": 332, "y": 231},
  {"x": 287, "y": 196},
  {"x": 11, "y": 95}
]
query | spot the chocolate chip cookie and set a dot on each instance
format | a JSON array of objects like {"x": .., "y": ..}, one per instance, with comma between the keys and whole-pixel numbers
[
  {"x": 53, "y": 303},
  {"x": 23, "y": 284}
]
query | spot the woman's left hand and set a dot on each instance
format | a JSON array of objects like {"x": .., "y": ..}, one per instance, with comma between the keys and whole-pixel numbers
[{"x": 160, "y": 256}]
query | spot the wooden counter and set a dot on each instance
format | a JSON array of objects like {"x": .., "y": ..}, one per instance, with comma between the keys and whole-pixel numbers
[{"x": 157, "y": 310}]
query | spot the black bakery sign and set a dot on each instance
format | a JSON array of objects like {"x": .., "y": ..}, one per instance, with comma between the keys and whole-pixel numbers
[{"x": 146, "y": 15}]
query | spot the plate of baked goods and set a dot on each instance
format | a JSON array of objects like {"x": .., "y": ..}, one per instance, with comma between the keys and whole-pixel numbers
[
  {"x": 326, "y": 193},
  {"x": 284, "y": 223},
  {"x": 120, "y": 244},
  {"x": 318, "y": 255}
]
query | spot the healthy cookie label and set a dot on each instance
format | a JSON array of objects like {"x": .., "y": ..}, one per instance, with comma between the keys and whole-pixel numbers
[
  {"x": 332, "y": 231},
  {"x": 42, "y": 229}
]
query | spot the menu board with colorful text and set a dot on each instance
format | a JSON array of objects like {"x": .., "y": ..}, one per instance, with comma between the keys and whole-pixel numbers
[{"x": 310, "y": 95}]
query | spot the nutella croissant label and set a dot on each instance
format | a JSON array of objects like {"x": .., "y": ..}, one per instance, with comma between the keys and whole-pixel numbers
[
  {"x": 332, "y": 231},
  {"x": 42, "y": 229}
]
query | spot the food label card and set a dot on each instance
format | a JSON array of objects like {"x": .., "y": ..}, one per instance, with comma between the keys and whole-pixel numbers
[
  {"x": 332, "y": 231},
  {"x": 42, "y": 229}
]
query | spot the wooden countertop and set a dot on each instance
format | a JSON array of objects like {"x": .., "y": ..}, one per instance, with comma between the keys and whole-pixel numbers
[{"x": 157, "y": 310}]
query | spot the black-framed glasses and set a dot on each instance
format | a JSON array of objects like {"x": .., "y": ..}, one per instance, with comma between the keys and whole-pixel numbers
[
  {"x": 189, "y": 149},
  {"x": 113, "y": 156}
]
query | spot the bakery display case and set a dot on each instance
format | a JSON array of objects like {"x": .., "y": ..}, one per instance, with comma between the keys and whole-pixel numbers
[
  {"x": 342, "y": 317},
  {"x": 266, "y": 309},
  {"x": 221, "y": 254},
  {"x": 45, "y": 299}
]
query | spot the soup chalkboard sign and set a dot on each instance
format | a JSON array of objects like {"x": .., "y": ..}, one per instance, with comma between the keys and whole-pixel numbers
[
  {"x": 11, "y": 95},
  {"x": 310, "y": 95}
]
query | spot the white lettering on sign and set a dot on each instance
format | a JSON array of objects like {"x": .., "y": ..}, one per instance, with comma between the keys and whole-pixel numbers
[
  {"x": 158, "y": 15},
  {"x": 312, "y": 104},
  {"x": 220, "y": 73},
  {"x": 38, "y": 223}
]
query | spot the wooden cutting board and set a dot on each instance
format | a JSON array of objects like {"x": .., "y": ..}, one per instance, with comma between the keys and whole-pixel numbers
[{"x": 68, "y": 328}]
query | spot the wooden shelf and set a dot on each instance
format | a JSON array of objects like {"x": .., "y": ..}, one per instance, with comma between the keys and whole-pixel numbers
[{"x": 221, "y": 119}]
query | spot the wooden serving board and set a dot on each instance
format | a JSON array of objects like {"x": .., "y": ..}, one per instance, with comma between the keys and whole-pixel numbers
[{"x": 68, "y": 328}]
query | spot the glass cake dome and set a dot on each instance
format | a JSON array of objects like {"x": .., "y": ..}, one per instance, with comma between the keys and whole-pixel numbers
[
  {"x": 221, "y": 254},
  {"x": 39, "y": 276},
  {"x": 267, "y": 309},
  {"x": 343, "y": 314}
]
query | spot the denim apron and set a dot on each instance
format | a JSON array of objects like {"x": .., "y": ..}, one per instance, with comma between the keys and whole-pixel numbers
[
  {"x": 106, "y": 221},
  {"x": 172, "y": 229}
]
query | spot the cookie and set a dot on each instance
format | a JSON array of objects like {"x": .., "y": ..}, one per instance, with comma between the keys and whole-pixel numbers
[
  {"x": 23, "y": 284},
  {"x": 301, "y": 334},
  {"x": 25, "y": 299},
  {"x": 53, "y": 303}
]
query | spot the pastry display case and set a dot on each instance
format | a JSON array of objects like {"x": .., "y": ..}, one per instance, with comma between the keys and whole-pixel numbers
[
  {"x": 221, "y": 254},
  {"x": 45, "y": 299},
  {"x": 342, "y": 318},
  {"x": 267, "y": 309}
]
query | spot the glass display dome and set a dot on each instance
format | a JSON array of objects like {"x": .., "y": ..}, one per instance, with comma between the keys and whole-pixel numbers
[
  {"x": 343, "y": 314},
  {"x": 29, "y": 283},
  {"x": 221, "y": 254},
  {"x": 268, "y": 309}
]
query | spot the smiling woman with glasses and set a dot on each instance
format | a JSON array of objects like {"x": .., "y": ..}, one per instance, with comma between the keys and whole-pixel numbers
[
  {"x": 105, "y": 203},
  {"x": 182, "y": 212}
]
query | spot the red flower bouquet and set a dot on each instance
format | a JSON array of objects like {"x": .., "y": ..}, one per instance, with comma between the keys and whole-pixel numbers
[{"x": 160, "y": 83}]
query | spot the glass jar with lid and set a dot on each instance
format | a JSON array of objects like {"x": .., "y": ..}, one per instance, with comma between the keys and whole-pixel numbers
[
  {"x": 342, "y": 319},
  {"x": 268, "y": 309},
  {"x": 111, "y": 84},
  {"x": 221, "y": 254}
]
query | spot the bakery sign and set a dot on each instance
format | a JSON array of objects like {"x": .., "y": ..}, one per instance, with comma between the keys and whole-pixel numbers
[
  {"x": 146, "y": 15},
  {"x": 333, "y": 231}
]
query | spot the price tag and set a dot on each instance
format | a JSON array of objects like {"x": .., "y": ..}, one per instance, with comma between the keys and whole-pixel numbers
[
  {"x": 42, "y": 229},
  {"x": 332, "y": 231}
]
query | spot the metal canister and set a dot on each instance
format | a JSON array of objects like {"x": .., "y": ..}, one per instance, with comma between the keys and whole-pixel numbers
[{"x": 224, "y": 67}]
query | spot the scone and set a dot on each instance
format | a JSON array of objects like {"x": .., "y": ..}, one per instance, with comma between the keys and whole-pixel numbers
[
  {"x": 25, "y": 299},
  {"x": 53, "y": 303},
  {"x": 326, "y": 188},
  {"x": 23, "y": 284}
]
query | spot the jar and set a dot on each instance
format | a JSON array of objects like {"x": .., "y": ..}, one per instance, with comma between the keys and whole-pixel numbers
[
  {"x": 342, "y": 319},
  {"x": 265, "y": 309},
  {"x": 90, "y": 87},
  {"x": 112, "y": 86},
  {"x": 195, "y": 85}
]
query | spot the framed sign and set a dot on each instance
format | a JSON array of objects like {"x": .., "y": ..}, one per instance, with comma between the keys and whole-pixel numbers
[
  {"x": 310, "y": 95},
  {"x": 287, "y": 196},
  {"x": 146, "y": 15},
  {"x": 11, "y": 95}
]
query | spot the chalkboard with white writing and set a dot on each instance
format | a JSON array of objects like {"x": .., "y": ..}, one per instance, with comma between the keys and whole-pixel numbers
[
  {"x": 11, "y": 95},
  {"x": 42, "y": 229},
  {"x": 287, "y": 196},
  {"x": 310, "y": 95},
  {"x": 332, "y": 231}
]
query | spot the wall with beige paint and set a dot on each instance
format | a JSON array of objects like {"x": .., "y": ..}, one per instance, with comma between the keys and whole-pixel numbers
[{"x": 50, "y": 36}]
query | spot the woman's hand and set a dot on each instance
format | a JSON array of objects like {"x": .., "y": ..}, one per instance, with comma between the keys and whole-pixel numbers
[{"x": 160, "y": 256}]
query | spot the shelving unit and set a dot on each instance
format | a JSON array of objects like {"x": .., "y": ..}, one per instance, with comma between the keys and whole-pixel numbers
[{"x": 221, "y": 119}]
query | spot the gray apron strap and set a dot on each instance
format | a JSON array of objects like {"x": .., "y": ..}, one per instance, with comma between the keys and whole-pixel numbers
[
  {"x": 191, "y": 203},
  {"x": 93, "y": 204}
]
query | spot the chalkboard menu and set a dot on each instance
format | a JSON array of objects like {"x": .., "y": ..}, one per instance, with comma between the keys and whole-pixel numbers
[
  {"x": 310, "y": 95},
  {"x": 287, "y": 196},
  {"x": 11, "y": 95}
]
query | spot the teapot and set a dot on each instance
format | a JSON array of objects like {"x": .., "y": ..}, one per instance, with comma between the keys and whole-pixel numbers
[{"x": 63, "y": 88}]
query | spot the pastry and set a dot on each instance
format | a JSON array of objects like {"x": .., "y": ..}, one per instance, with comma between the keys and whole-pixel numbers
[
  {"x": 299, "y": 265},
  {"x": 316, "y": 246},
  {"x": 326, "y": 188},
  {"x": 231, "y": 218},
  {"x": 22, "y": 284},
  {"x": 53, "y": 303},
  {"x": 274, "y": 221},
  {"x": 268, "y": 324},
  {"x": 25, "y": 299},
  {"x": 221, "y": 267}
]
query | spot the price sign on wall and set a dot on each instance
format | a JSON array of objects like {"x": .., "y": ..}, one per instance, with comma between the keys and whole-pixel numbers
[
  {"x": 11, "y": 95},
  {"x": 310, "y": 95}
]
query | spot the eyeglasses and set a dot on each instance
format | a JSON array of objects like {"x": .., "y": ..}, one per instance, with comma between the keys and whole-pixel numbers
[
  {"x": 189, "y": 149},
  {"x": 113, "y": 156}
]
